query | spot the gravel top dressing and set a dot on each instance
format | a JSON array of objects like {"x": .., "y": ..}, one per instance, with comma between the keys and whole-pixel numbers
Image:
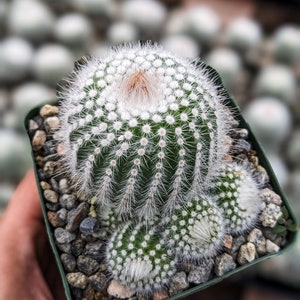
[{"x": 80, "y": 239}]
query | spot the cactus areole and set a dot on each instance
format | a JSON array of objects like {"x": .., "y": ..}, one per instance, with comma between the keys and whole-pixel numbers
[{"x": 145, "y": 134}]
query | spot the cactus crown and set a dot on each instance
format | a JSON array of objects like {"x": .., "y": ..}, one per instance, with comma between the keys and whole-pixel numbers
[
  {"x": 142, "y": 129},
  {"x": 145, "y": 135}
]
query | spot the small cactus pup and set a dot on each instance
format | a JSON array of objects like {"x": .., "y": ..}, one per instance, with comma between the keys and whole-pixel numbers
[
  {"x": 138, "y": 259},
  {"x": 141, "y": 129},
  {"x": 237, "y": 194},
  {"x": 196, "y": 229}
]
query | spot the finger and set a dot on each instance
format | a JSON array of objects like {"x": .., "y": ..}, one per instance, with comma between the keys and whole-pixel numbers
[{"x": 24, "y": 205}]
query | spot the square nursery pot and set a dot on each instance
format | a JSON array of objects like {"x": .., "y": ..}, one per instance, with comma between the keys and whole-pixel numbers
[{"x": 67, "y": 233}]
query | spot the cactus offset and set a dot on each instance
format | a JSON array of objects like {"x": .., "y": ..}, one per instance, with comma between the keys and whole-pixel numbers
[
  {"x": 138, "y": 258},
  {"x": 196, "y": 229},
  {"x": 237, "y": 194}
]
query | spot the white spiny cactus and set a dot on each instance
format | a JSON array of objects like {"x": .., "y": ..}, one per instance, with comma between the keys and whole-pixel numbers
[
  {"x": 196, "y": 229},
  {"x": 237, "y": 194},
  {"x": 141, "y": 129},
  {"x": 138, "y": 258},
  {"x": 145, "y": 135}
]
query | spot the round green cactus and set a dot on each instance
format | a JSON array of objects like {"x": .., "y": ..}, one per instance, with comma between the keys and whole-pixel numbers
[
  {"x": 141, "y": 129},
  {"x": 237, "y": 195},
  {"x": 137, "y": 257},
  {"x": 196, "y": 229}
]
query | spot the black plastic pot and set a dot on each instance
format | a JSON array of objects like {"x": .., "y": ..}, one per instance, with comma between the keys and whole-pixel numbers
[{"x": 263, "y": 162}]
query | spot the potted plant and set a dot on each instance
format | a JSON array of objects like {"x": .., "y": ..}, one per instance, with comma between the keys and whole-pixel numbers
[{"x": 147, "y": 172}]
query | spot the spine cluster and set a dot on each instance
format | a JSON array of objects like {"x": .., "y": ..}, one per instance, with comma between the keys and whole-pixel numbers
[{"x": 145, "y": 134}]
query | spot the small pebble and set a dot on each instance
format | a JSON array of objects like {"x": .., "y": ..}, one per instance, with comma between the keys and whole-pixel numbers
[
  {"x": 38, "y": 140},
  {"x": 48, "y": 110},
  {"x": 89, "y": 226},
  {"x": 76, "y": 215},
  {"x": 32, "y": 126},
  {"x": 64, "y": 186},
  {"x": 178, "y": 283},
  {"x": 236, "y": 243},
  {"x": 60, "y": 149},
  {"x": 51, "y": 196},
  {"x": 64, "y": 236},
  {"x": 62, "y": 214},
  {"x": 49, "y": 168},
  {"x": 255, "y": 236},
  {"x": 77, "y": 247},
  {"x": 246, "y": 253},
  {"x": 45, "y": 185},
  {"x": 67, "y": 201},
  {"x": 242, "y": 133},
  {"x": 227, "y": 243},
  {"x": 77, "y": 279},
  {"x": 51, "y": 123},
  {"x": 98, "y": 281},
  {"x": 162, "y": 295},
  {"x": 87, "y": 265},
  {"x": 54, "y": 184},
  {"x": 261, "y": 176},
  {"x": 93, "y": 249},
  {"x": 202, "y": 272},
  {"x": 224, "y": 263},
  {"x": 88, "y": 292},
  {"x": 269, "y": 196},
  {"x": 69, "y": 262},
  {"x": 54, "y": 219},
  {"x": 115, "y": 289},
  {"x": 270, "y": 215},
  {"x": 64, "y": 248},
  {"x": 271, "y": 247}
]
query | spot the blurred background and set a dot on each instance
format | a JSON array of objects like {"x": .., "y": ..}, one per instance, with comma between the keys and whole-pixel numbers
[{"x": 254, "y": 45}]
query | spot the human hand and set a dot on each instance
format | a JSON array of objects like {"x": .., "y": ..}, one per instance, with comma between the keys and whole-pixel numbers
[{"x": 27, "y": 265}]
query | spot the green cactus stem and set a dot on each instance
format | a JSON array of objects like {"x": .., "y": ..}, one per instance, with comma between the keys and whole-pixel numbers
[{"x": 142, "y": 128}]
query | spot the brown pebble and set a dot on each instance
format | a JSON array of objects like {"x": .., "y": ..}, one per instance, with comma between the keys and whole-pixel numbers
[
  {"x": 45, "y": 185},
  {"x": 77, "y": 279},
  {"x": 51, "y": 196},
  {"x": 48, "y": 110},
  {"x": 160, "y": 295},
  {"x": 51, "y": 123},
  {"x": 38, "y": 140},
  {"x": 54, "y": 219},
  {"x": 228, "y": 241},
  {"x": 60, "y": 149},
  {"x": 88, "y": 293},
  {"x": 116, "y": 289},
  {"x": 246, "y": 254}
]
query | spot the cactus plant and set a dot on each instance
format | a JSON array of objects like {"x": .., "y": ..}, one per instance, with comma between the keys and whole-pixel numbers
[
  {"x": 145, "y": 135},
  {"x": 141, "y": 129},
  {"x": 138, "y": 258},
  {"x": 237, "y": 194}
]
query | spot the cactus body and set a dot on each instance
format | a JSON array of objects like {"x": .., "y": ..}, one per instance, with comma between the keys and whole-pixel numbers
[
  {"x": 196, "y": 229},
  {"x": 237, "y": 194},
  {"x": 142, "y": 128},
  {"x": 137, "y": 258}
]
